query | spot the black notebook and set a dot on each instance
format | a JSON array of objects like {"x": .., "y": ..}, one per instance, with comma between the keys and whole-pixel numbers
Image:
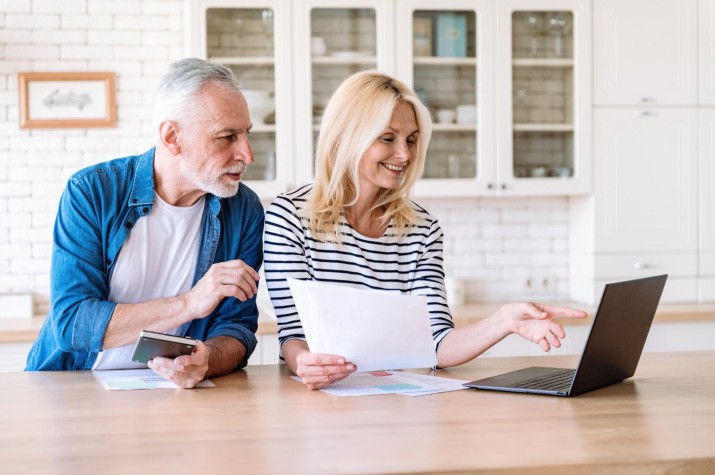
[{"x": 612, "y": 350}]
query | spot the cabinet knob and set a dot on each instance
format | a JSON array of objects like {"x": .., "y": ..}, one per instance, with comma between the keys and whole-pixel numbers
[
  {"x": 642, "y": 99},
  {"x": 503, "y": 186},
  {"x": 640, "y": 265},
  {"x": 643, "y": 113},
  {"x": 490, "y": 186}
]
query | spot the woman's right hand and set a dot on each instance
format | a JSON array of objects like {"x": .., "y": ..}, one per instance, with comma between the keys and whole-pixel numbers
[{"x": 320, "y": 370}]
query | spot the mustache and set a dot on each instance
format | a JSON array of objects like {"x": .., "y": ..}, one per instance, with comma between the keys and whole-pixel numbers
[{"x": 238, "y": 170}]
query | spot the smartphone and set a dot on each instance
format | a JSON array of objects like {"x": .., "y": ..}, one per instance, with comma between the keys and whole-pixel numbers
[{"x": 151, "y": 344}]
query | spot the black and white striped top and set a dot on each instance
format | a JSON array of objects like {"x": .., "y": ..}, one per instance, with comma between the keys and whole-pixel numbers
[{"x": 410, "y": 263}]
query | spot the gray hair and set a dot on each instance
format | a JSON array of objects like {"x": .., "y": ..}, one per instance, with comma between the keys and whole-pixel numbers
[{"x": 183, "y": 81}]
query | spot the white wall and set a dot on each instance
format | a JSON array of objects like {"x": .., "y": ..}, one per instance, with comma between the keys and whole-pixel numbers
[{"x": 493, "y": 244}]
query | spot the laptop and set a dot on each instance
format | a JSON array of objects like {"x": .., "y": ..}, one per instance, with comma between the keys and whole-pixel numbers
[{"x": 612, "y": 350}]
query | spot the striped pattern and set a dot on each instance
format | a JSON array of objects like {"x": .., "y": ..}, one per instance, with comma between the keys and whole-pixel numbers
[{"x": 409, "y": 264}]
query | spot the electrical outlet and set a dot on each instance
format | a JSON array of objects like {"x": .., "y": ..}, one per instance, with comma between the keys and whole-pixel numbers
[{"x": 541, "y": 282}]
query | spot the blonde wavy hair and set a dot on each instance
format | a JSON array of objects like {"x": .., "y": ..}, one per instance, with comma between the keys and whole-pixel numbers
[{"x": 357, "y": 114}]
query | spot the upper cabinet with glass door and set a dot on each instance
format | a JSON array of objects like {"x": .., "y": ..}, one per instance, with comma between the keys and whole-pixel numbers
[
  {"x": 253, "y": 39},
  {"x": 334, "y": 41},
  {"x": 508, "y": 86},
  {"x": 444, "y": 55},
  {"x": 544, "y": 100}
]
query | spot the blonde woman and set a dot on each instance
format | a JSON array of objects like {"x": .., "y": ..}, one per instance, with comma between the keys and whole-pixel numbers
[{"x": 355, "y": 225}]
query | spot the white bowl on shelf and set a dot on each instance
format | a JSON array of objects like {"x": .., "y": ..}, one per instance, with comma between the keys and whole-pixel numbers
[
  {"x": 260, "y": 104},
  {"x": 466, "y": 114}
]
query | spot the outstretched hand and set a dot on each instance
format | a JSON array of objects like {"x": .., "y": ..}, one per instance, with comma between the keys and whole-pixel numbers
[{"x": 535, "y": 322}]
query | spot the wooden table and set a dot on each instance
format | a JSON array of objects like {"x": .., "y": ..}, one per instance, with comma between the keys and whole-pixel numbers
[{"x": 260, "y": 421}]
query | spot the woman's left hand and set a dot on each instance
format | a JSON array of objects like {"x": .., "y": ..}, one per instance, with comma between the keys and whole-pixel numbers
[{"x": 535, "y": 322}]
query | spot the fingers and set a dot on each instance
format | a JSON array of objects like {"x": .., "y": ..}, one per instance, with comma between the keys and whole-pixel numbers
[
  {"x": 562, "y": 312},
  {"x": 184, "y": 371},
  {"x": 320, "y": 370}
]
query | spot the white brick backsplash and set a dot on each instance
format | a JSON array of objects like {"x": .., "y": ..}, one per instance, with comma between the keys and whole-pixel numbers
[
  {"x": 161, "y": 7},
  {"x": 42, "y": 250},
  {"x": 166, "y": 38},
  {"x": 30, "y": 265},
  {"x": 125, "y": 7},
  {"x": 59, "y": 37},
  {"x": 34, "y": 21},
  {"x": 91, "y": 143},
  {"x": 60, "y": 65},
  {"x": 19, "y": 205},
  {"x": 86, "y": 52},
  {"x": 60, "y": 6},
  {"x": 87, "y": 22},
  {"x": 18, "y": 235},
  {"x": 49, "y": 190},
  {"x": 15, "y": 251},
  {"x": 15, "y": 36},
  {"x": 144, "y": 22},
  {"x": 109, "y": 37},
  {"x": 12, "y": 282},
  {"x": 31, "y": 52},
  {"x": 26, "y": 143},
  {"x": 15, "y": 6},
  {"x": 155, "y": 53},
  {"x": 61, "y": 159},
  {"x": 14, "y": 189}
]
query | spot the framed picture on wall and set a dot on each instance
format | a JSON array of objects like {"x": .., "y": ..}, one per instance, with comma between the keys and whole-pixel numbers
[{"x": 66, "y": 100}]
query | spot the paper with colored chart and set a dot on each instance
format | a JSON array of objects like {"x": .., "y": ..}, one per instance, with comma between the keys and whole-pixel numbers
[
  {"x": 391, "y": 382},
  {"x": 375, "y": 329}
]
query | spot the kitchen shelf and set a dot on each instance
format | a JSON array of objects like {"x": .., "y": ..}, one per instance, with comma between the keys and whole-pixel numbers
[
  {"x": 245, "y": 60},
  {"x": 543, "y": 127},
  {"x": 543, "y": 63},
  {"x": 444, "y": 61}
]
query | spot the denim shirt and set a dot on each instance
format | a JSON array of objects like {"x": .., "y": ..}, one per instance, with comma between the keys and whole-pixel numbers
[{"x": 96, "y": 213}]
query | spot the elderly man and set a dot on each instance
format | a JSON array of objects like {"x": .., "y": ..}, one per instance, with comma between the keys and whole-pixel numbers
[{"x": 164, "y": 241}]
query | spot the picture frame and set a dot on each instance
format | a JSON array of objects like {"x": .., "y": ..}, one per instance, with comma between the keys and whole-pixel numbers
[{"x": 67, "y": 99}]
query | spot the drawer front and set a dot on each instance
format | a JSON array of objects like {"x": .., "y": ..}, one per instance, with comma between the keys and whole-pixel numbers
[
  {"x": 677, "y": 290},
  {"x": 707, "y": 290},
  {"x": 707, "y": 263},
  {"x": 621, "y": 266}
]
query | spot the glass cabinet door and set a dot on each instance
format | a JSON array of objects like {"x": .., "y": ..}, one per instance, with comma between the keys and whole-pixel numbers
[
  {"x": 447, "y": 63},
  {"x": 545, "y": 151},
  {"x": 252, "y": 41},
  {"x": 338, "y": 42}
]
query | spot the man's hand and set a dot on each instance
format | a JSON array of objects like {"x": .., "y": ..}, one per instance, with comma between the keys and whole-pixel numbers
[
  {"x": 185, "y": 371},
  {"x": 224, "y": 279}
]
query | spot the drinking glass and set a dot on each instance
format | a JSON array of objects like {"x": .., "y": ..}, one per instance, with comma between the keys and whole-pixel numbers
[
  {"x": 559, "y": 25},
  {"x": 535, "y": 25},
  {"x": 267, "y": 26}
]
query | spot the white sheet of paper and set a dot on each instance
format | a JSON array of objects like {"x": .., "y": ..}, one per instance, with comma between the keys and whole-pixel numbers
[
  {"x": 132, "y": 379},
  {"x": 376, "y": 330}
]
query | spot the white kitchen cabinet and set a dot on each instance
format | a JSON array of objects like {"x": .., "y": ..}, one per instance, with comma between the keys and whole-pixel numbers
[
  {"x": 646, "y": 52},
  {"x": 520, "y": 124},
  {"x": 525, "y": 71},
  {"x": 707, "y": 205},
  {"x": 706, "y": 14},
  {"x": 642, "y": 218}
]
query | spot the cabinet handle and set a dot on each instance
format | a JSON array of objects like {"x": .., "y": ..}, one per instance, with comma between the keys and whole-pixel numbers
[
  {"x": 640, "y": 265},
  {"x": 490, "y": 186},
  {"x": 503, "y": 186},
  {"x": 642, "y": 99},
  {"x": 643, "y": 113}
]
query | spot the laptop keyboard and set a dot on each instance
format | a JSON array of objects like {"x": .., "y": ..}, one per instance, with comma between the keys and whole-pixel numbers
[{"x": 558, "y": 381}]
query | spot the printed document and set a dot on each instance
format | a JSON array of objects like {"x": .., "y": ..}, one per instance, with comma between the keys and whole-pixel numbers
[
  {"x": 391, "y": 382},
  {"x": 375, "y": 329},
  {"x": 131, "y": 379}
]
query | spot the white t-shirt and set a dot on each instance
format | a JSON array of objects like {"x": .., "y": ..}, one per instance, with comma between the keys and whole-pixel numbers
[{"x": 157, "y": 260}]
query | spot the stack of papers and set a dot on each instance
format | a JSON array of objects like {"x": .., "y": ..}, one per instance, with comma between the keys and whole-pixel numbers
[
  {"x": 375, "y": 329},
  {"x": 392, "y": 382}
]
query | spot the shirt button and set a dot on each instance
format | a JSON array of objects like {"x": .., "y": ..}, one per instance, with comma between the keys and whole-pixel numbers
[
  {"x": 134, "y": 200},
  {"x": 129, "y": 224},
  {"x": 109, "y": 262},
  {"x": 145, "y": 210}
]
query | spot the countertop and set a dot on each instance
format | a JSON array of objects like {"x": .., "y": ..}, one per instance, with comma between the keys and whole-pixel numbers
[{"x": 19, "y": 330}]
